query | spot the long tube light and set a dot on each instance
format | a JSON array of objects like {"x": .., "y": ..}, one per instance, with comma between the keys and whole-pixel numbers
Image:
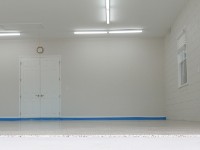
[
  {"x": 91, "y": 32},
  {"x": 126, "y": 31},
  {"x": 10, "y": 34},
  {"x": 108, "y": 11},
  {"x": 111, "y": 32}
]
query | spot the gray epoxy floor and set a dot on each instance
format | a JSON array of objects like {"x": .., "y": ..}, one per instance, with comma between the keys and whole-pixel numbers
[{"x": 100, "y": 128}]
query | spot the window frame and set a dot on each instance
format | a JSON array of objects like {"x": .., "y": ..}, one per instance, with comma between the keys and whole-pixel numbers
[{"x": 182, "y": 60}]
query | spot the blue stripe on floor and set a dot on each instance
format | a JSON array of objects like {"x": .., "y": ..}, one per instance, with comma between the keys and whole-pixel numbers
[{"x": 85, "y": 119}]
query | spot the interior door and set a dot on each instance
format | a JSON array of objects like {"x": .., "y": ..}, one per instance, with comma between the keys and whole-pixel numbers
[
  {"x": 50, "y": 87},
  {"x": 30, "y": 87},
  {"x": 40, "y": 87}
]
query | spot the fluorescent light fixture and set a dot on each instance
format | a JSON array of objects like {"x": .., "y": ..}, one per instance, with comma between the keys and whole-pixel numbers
[
  {"x": 108, "y": 11},
  {"x": 126, "y": 31},
  {"x": 91, "y": 32},
  {"x": 111, "y": 32},
  {"x": 10, "y": 34},
  {"x": 107, "y": 4},
  {"x": 108, "y": 17}
]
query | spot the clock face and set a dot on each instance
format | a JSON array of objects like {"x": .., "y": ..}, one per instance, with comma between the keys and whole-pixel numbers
[{"x": 40, "y": 49}]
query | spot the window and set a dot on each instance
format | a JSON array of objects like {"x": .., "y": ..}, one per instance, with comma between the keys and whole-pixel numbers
[{"x": 182, "y": 60}]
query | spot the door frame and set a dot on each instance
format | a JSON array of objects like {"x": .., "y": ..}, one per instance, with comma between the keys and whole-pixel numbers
[{"x": 60, "y": 81}]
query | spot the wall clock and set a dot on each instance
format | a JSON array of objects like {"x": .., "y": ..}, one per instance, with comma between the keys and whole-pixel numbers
[{"x": 40, "y": 49}]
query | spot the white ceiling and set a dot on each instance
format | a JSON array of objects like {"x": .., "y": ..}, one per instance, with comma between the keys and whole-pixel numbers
[{"x": 60, "y": 18}]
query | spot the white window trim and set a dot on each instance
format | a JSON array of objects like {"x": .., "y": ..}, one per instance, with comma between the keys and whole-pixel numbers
[{"x": 180, "y": 49}]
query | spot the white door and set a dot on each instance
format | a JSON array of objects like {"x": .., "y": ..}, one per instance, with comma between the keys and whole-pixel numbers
[
  {"x": 50, "y": 85},
  {"x": 30, "y": 83},
  {"x": 40, "y": 87}
]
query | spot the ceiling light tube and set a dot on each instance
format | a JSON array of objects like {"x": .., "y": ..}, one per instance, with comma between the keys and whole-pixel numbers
[
  {"x": 107, "y": 4},
  {"x": 9, "y": 34},
  {"x": 91, "y": 32},
  {"x": 108, "y": 11},
  {"x": 108, "y": 17},
  {"x": 126, "y": 31}
]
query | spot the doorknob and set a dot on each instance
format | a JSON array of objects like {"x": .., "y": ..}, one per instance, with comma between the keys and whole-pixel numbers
[
  {"x": 41, "y": 95},
  {"x": 37, "y": 95}
]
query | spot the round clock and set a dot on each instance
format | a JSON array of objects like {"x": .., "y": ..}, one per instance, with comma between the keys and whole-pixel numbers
[{"x": 40, "y": 49}]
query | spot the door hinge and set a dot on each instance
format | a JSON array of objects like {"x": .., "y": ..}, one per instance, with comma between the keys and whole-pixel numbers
[
  {"x": 20, "y": 63},
  {"x": 20, "y": 80}
]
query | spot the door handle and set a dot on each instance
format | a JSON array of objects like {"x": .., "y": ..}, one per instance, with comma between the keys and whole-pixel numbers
[{"x": 40, "y": 95}]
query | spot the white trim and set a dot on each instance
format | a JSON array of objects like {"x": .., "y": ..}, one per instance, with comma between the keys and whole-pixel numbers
[
  {"x": 19, "y": 113},
  {"x": 183, "y": 30},
  {"x": 183, "y": 85},
  {"x": 181, "y": 44},
  {"x": 60, "y": 99},
  {"x": 181, "y": 41},
  {"x": 179, "y": 71}
]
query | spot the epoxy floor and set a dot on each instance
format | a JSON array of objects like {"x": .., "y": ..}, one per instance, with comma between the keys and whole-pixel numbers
[{"x": 99, "y": 128}]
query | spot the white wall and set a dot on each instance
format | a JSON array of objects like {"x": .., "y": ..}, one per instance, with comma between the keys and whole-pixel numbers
[
  {"x": 100, "y": 76},
  {"x": 184, "y": 103}
]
